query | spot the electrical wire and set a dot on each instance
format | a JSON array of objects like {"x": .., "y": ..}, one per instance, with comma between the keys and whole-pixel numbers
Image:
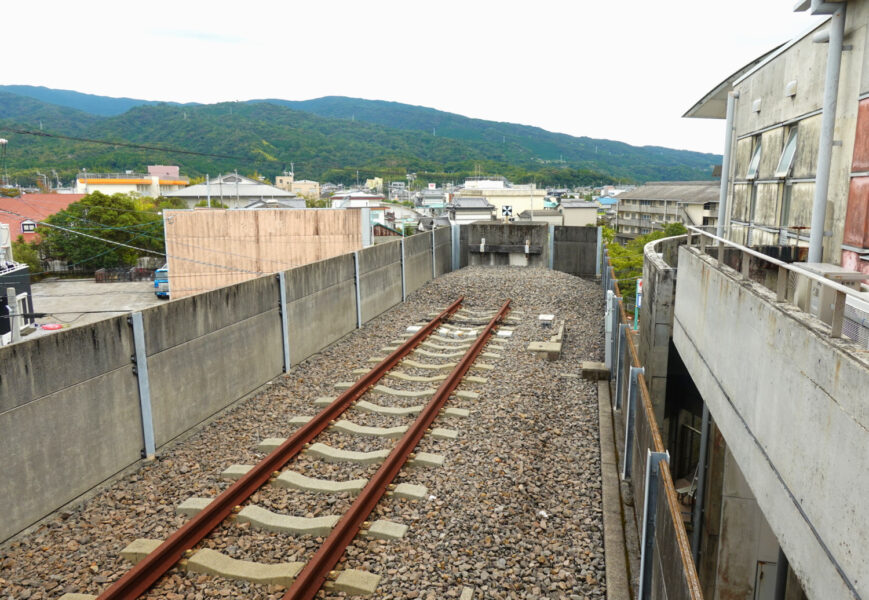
[{"x": 136, "y": 146}]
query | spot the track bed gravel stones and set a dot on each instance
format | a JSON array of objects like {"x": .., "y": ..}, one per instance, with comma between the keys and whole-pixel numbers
[{"x": 515, "y": 512}]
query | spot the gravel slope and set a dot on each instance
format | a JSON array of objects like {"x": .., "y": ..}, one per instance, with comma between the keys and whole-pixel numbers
[{"x": 514, "y": 513}]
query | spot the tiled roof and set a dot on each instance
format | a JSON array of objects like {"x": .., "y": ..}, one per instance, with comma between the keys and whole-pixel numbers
[{"x": 34, "y": 207}]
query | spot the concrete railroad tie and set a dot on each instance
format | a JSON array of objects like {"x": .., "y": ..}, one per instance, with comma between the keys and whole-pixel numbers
[
  {"x": 297, "y": 481},
  {"x": 212, "y": 562},
  {"x": 330, "y": 454},
  {"x": 262, "y": 518},
  {"x": 347, "y": 426},
  {"x": 401, "y": 411}
]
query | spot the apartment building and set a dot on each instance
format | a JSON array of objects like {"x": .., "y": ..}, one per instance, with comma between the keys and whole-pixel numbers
[
  {"x": 158, "y": 181},
  {"x": 653, "y": 206}
]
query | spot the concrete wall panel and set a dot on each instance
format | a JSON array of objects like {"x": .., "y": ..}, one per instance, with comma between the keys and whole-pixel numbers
[
  {"x": 741, "y": 202},
  {"x": 63, "y": 444},
  {"x": 806, "y": 155},
  {"x": 800, "y": 210},
  {"x": 791, "y": 404},
  {"x": 192, "y": 381},
  {"x": 380, "y": 268},
  {"x": 180, "y": 321},
  {"x": 35, "y": 368},
  {"x": 321, "y": 308},
  {"x": 443, "y": 251},
  {"x": 575, "y": 250},
  {"x": 417, "y": 256},
  {"x": 770, "y": 152}
]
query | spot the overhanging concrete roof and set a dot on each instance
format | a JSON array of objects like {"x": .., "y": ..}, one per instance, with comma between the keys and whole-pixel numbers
[{"x": 714, "y": 104}]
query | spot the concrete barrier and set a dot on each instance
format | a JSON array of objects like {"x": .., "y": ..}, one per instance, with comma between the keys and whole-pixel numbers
[
  {"x": 69, "y": 418},
  {"x": 380, "y": 278},
  {"x": 575, "y": 250},
  {"x": 417, "y": 260}
]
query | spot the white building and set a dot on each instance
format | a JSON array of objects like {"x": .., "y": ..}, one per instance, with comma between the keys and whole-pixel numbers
[
  {"x": 232, "y": 190},
  {"x": 500, "y": 193},
  {"x": 159, "y": 181}
]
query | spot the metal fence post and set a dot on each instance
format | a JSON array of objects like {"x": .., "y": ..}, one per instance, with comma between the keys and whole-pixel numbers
[
  {"x": 608, "y": 328},
  {"x": 434, "y": 269},
  {"x": 403, "y": 284},
  {"x": 358, "y": 290},
  {"x": 140, "y": 370},
  {"x": 650, "y": 509},
  {"x": 285, "y": 325},
  {"x": 551, "y": 245},
  {"x": 615, "y": 338},
  {"x": 599, "y": 248},
  {"x": 631, "y": 419},
  {"x": 456, "y": 236},
  {"x": 620, "y": 364}
]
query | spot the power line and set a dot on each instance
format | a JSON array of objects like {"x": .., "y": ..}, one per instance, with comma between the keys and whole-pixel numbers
[{"x": 136, "y": 146}]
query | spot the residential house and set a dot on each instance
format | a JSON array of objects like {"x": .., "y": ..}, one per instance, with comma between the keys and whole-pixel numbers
[
  {"x": 578, "y": 213},
  {"x": 499, "y": 193},
  {"x": 468, "y": 209},
  {"x": 548, "y": 215},
  {"x": 23, "y": 214},
  {"x": 231, "y": 190}
]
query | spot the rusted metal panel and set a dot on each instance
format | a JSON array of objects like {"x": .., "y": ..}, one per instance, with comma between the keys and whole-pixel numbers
[
  {"x": 860, "y": 158},
  {"x": 857, "y": 215}
]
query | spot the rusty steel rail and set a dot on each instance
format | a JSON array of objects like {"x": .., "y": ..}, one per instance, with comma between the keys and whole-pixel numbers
[
  {"x": 316, "y": 571},
  {"x": 147, "y": 571}
]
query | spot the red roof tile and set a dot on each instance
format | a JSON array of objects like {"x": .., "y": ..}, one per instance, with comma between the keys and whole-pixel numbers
[{"x": 34, "y": 207}]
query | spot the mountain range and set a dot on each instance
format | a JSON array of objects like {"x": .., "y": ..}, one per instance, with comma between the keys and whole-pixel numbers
[{"x": 328, "y": 139}]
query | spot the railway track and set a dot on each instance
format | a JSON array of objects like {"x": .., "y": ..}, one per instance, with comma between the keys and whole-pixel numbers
[{"x": 457, "y": 337}]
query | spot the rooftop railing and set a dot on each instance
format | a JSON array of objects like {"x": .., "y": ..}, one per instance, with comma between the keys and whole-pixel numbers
[{"x": 777, "y": 275}]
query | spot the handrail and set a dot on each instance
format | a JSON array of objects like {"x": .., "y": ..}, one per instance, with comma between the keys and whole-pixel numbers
[
  {"x": 798, "y": 270},
  {"x": 842, "y": 291}
]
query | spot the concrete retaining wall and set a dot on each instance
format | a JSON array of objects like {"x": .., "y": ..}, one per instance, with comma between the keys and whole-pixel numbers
[
  {"x": 791, "y": 404},
  {"x": 70, "y": 414},
  {"x": 575, "y": 250}
]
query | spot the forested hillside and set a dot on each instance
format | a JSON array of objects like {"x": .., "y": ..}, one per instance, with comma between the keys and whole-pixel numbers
[{"x": 327, "y": 139}]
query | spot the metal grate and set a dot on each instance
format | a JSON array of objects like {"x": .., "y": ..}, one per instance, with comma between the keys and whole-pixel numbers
[{"x": 856, "y": 324}]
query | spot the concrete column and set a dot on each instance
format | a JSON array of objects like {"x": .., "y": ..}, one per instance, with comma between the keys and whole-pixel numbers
[
  {"x": 455, "y": 237},
  {"x": 434, "y": 270},
  {"x": 358, "y": 290},
  {"x": 403, "y": 280}
]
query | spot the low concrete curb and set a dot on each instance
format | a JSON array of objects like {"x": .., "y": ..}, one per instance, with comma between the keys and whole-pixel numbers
[{"x": 617, "y": 575}]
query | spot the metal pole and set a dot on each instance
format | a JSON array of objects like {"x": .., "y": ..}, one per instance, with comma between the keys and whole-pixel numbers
[
  {"x": 825, "y": 144},
  {"x": 620, "y": 364},
  {"x": 630, "y": 420},
  {"x": 725, "y": 165},
  {"x": 140, "y": 370},
  {"x": 700, "y": 493},
  {"x": 608, "y": 328},
  {"x": 285, "y": 326}
]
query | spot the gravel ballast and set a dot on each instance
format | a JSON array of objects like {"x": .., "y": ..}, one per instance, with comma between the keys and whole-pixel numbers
[{"x": 515, "y": 512}]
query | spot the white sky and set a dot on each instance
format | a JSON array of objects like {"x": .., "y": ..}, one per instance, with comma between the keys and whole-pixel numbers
[{"x": 624, "y": 70}]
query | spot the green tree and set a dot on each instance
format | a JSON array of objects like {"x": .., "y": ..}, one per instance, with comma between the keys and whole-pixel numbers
[
  {"x": 627, "y": 259},
  {"x": 204, "y": 203},
  {"x": 70, "y": 234},
  {"x": 27, "y": 253}
]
